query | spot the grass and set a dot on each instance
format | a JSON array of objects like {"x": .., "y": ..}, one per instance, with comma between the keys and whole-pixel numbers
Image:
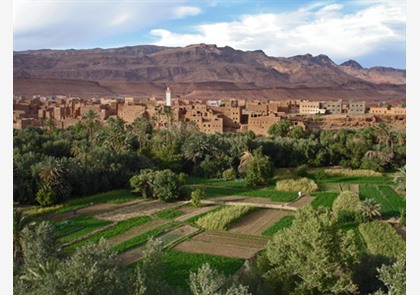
[
  {"x": 77, "y": 227},
  {"x": 180, "y": 264},
  {"x": 325, "y": 199},
  {"x": 266, "y": 192},
  {"x": 391, "y": 202},
  {"x": 142, "y": 238},
  {"x": 113, "y": 231},
  {"x": 284, "y": 222},
  {"x": 357, "y": 179},
  {"x": 215, "y": 182},
  {"x": 222, "y": 219},
  {"x": 168, "y": 214}
]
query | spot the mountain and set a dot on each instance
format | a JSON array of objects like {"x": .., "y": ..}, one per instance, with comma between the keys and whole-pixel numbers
[{"x": 200, "y": 71}]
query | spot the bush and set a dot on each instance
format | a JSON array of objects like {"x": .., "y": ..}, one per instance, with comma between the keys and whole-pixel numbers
[
  {"x": 346, "y": 201},
  {"x": 196, "y": 197},
  {"x": 402, "y": 217},
  {"x": 319, "y": 174},
  {"x": 301, "y": 171},
  {"x": 229, "y": 174},
  {"x": 351, "y": 173},
  {"x": 46, "y": 197},
  {"x": 304, "y": 185},
  {"x": 258, "y": 169}
]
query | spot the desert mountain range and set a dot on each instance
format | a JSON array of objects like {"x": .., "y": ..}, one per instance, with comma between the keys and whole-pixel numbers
[{"x": 200, "y": 71}]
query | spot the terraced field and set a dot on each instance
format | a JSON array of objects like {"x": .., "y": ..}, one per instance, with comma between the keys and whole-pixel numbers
[
  {"x": 223, "y": 244},
  {"x": 258, "y": 221}
]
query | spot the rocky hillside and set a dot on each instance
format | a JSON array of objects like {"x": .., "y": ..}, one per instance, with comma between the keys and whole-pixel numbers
[{"x": 226, "y": 69}]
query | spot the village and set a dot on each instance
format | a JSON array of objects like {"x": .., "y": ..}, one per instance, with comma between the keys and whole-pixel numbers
[{"x": 210, "y": 116}]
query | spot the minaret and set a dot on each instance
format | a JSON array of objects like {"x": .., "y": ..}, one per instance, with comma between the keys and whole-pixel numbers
[{"x": 168, "y": 97}]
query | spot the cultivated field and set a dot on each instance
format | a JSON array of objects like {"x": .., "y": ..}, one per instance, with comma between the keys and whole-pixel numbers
[
  {"x": 258, "y": 221},
  {"x": 223, "y": 244}
]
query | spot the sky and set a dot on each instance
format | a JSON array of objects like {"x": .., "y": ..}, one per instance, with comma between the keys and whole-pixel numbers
[{"x": 371, "y": 32}]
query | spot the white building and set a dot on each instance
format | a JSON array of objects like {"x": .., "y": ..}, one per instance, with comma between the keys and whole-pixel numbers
[{"x": 168, "y": 97}]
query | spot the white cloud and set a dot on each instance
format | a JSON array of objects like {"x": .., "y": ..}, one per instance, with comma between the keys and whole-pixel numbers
[
  {"x": 184, "y": 11},
  {"x": 321, "y": 28}
]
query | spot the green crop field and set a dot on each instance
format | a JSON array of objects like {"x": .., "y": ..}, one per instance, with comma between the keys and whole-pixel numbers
[
  {"x": 113, "y": 231},
  {"x": 168, "y": 214},
  {"x": 284, "y": 222},
  {"x": 267, "y": 192},
  {"x": 197, "y": 217},
  {"x": 215, "y": 182},
  {"x": 357, "y": 179},
  {"x": 390, "y": 201},
  {"x": 180, "y": 264},
  {"x": 325, "y": 199},
  {"x": 222, "y": 219},
  {"x": 77, "y": 227}
]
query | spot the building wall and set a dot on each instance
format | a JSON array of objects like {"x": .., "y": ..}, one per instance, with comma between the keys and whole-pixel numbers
[
  {"x": 131, "y": 112},
  {"x": 260, "y": 124},
  {"x": 356, "y": 107},
  {"x": 332, "y": 107},
  {"x": 309, "y": 107}
]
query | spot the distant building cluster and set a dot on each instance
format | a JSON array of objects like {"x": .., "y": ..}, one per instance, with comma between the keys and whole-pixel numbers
[{"x": 210, "y": 116}]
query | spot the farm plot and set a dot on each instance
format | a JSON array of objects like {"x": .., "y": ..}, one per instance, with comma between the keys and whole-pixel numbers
[
  {"x": 190, "y": 211},
  {"x": 258, "y": 221},
  {"x": 223, "y": 244},
  {"x": 390, "y": 201},
  {"x": 135, "y": 253},
  {"x": 139, "y": 209}
]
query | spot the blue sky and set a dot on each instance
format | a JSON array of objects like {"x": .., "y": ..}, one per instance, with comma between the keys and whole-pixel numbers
[{"x": 371, "y": 32}]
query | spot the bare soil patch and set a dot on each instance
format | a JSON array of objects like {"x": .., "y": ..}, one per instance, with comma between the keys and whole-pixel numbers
[
  {"x": 354, "y": 187},
  {"x": 137, "y": 230},
  {"x": 139, "y": 209},
  {"x": 258, "y": 221},
  {"x": 302, "y": 202},
  {"x": 130, "y": 256},
  {"x": 223, "y": 244}
]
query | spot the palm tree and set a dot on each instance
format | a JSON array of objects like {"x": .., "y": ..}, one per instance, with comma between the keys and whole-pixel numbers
[
  {"x": 400, "y": 179},
  {"x": 243, "y": 161},
  {"x": 91, "y": 120},
  {"x": 370, "y": 208},
  {"x": 52, "y": 173},
  {"x": 20, "y": 221}
]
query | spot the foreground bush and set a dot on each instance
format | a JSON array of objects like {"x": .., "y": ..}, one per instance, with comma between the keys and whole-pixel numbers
[
  {"x": 351, "y": 173},
  {"x": 346, "y": 201},
  {"x": 305, "y": 185},
  {"x": 222, "y": 219},
  {"x": 381, "y": 239}
]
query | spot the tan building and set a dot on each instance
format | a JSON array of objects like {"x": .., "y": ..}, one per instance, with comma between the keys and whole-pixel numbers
[
  {"x": 260, "y": 124},
  {"x": 310, "y": 107},
  {"x": 332, "y": 106},
  {"x": 356, "y": 107},
  {"x": 129, "y": 113}
]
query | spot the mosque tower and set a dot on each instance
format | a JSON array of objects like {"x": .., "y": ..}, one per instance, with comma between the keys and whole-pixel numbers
[{"x": 168, "y": 97}]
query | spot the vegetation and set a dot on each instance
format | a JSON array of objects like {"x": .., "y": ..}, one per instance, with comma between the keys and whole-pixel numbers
[
  {"x": 346, "y": 201},
  {"x": 304, "y": 185},
  {"x": 222, "y": 219},
  {"x": 284, "y": 222},
  {"x": 312, "y": 256},
  {"x": 168, "y": 214},
  {"x": 196, "y": 197},
  {"x": 351, "y": 172},
  {"x": 258, "y": 169},
  {"x": 370, "y": 209},
  {"x": 381, "y": 239},
  {"x": 391, "y": 203},
  {"x": 325, "y": 199}
]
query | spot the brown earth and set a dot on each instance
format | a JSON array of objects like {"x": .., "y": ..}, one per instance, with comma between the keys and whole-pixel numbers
[
  {"x": 223, "y": 244},
  {"x": 302, "y": 201},
  {"x": 191, "y": 212},
  {"x": 258, "y": 221}
]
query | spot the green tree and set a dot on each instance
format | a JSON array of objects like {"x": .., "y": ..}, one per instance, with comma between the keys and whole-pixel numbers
[
  {"x": 347, "y": 201},
  {"x": 91, "y": 122},
  {"x": 281, "y": 128},
  {"x": 394, "y": 277},
  {"x": 143, "y": 183},
  {"x": 196, "y": 197},
  {"x": 166, "y": 185},
  {"x": 258, "y": 169},
  {"x": 400, "y": 179},
  {"x": 313, "y": 256},
  {"x": 20, "y": 221}
]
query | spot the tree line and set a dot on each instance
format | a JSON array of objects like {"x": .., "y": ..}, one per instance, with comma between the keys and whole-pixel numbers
[{"x": 51, "y": 165}]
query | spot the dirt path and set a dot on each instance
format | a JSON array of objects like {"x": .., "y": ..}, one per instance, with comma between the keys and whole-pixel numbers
[
  {"x": 94, "y": 209},
  {"x": 223, "y": 244},
  {"x": 258, "y": 221},
  {"x": 248, "y": 201},
  {"x": 144, "y": 208},
  {"x": 302, "y": 202}
]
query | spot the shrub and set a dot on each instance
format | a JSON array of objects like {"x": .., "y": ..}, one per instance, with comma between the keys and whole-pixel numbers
[
  {"x": 346, "y": 201},
  {"x": 301, "y": 171},
  {"x": 319, "y": 174},
  {"x": 222, "y": 219},
  {"x": 305, "y": 185},
  {"x": 229, "y": 174},
  {"x": 351, "y": 173},
  {"x": 196, "y": 197},
  {"x": 381, "y": 239},
  {"x": 46, "y": 197}
]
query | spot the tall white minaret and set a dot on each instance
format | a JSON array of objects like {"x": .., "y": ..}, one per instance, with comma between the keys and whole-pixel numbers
[{"x": 168, "y": 97}]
